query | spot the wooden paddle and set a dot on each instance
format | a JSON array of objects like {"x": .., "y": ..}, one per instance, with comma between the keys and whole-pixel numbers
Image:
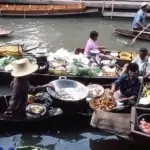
[{"x": 133, "y": 41}]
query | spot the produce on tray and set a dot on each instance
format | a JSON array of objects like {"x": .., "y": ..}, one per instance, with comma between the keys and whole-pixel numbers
[
  {"x": 145, "y": 126},
  {"x": 95, "y": 90},
  {"x": 35, "y": 108},
  {"x": 133, "y": 55},
  {"x": 145, "y": 96},
  {"x": 125, "y": 56},
  {"x": 105, "y": 102}
]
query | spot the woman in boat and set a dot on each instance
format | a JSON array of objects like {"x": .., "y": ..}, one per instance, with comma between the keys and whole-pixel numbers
[
  {"x": 127, "y": 86},
  {"x": 139, "y": 21},
  {"x": 143, "y": 61},
  {"x": 22, "y": 69},
  {"x": 92, "y": 47}
]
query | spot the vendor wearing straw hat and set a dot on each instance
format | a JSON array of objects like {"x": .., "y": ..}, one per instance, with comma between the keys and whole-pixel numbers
[
  {"x": 21, "y": 70},
  {"x": 139, "y": 21}
]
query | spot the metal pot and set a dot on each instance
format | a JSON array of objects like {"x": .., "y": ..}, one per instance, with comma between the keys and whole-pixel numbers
[
  {"x": 68, "y": 106},
  {"x": 77, "y": 90}
]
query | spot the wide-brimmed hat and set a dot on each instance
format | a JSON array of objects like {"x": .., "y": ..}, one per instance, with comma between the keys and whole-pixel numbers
[
  {"x": 143, "y": 4},
  {"x": 23, "y": 67}
]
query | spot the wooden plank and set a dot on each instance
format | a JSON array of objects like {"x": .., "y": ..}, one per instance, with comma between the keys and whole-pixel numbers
[
  {"x": 118, "y": 14},
  {"x": 121, "y": 14}
]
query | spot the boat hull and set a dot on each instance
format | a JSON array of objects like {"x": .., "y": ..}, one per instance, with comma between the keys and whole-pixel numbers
[
  {"x": 45, "y": 10},
  {"x": 129, "y": 33},
  {"x": 26, "y": 1}
]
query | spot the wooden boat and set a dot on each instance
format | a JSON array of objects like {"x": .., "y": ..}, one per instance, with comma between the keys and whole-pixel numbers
[
  {"x": 45, "y": 10},
  {"x": 130, "y": 33},
  {"x": 4, "y": 32},
  {"x": 25, "y": 1},
  {"x": 39, "y": 79}
]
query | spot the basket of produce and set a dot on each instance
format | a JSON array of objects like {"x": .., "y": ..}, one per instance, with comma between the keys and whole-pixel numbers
[
  {"x": 114, "y": 54},
  {"x": 133, "y": 55},
  {"x": 144, "y": 100},
  {"x": 125, "y": 55},
  {"x": 143, "y": 122},
  {"x": 104, "y": 102}
]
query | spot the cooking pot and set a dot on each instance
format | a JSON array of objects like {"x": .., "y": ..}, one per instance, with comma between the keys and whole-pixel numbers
[{"x": 76, "y": 90}]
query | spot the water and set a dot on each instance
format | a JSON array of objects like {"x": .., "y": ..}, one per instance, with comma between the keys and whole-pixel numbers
[
  {"x": 68, "y": 33},
  {"x": 67, "y": 141}
]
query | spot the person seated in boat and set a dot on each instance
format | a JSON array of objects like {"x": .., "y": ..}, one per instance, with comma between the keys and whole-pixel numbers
[
  {"x": 143, "y": 61},
  {"x": 127, "y": 86},
  {"x": 22, "y": 69},
  {"x": 92, "y": 47},
  {"x": 139, "y": 21}
]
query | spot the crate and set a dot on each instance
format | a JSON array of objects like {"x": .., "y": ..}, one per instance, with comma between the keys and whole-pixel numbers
[{"x": 136, "y": 132}]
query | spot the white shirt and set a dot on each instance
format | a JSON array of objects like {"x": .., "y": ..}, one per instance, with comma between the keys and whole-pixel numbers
[{"x": 142, "y": 64}]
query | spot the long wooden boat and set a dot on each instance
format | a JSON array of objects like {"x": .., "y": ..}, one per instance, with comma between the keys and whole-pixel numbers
[
  {"x": 45, "y": 10},
  {"x": 4, "y": 32},
  {"x": 39, "y": 79},
  {"x": 73, "y": 113},
  {"x": 26, "y": 1},
  {"x": 130, "y": 33}
]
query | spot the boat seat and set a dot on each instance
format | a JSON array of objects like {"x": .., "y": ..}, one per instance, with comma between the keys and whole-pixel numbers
[
  {"x": 140, "y": 31},
  {"x": 19, "y": 8},
  {"x": 42, "y": 7}
]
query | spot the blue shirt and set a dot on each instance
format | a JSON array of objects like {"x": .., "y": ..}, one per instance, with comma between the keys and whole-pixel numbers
[
  {"x": 140, "y": 17},
  {"x": 127, "y": 87}
]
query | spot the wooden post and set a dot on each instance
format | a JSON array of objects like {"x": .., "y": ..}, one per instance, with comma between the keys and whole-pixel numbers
[
  {"x": 112, "y": 8},
  {"x": 103, "y": 7},
  {"x": 80, "y": 4}
]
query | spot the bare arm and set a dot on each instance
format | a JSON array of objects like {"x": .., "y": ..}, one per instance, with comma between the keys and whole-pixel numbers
[
  {"x": 140, "y": 25},
  {"x": 34, "y": 90},
  {"x": 124, "y": 69},
  {"x": 128, "y": 98},
  {"x": 113, "y": 88}
]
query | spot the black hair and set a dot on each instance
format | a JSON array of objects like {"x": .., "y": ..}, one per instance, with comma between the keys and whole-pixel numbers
[
  {"x": 143, "y": 50},
  {"x": 93, "y": 34},
  {"x": 133, "y": 67}
]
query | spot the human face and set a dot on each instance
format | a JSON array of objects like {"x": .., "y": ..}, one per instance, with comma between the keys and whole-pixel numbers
[
  {"x": 132, "y": 74},
  {"x": 95, "y": 38},
  {"x": 143, "y": 55},
  {"x": 144, "y": 8}
]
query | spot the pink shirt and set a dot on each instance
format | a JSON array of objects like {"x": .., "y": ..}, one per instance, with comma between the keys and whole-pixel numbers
[{"x": 90, "y": 45}]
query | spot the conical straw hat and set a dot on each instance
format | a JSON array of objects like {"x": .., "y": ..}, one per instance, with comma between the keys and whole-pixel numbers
[{"x": 23, "y": 67}]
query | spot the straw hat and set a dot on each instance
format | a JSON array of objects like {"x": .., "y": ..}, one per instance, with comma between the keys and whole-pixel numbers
[
  {"x": 143, "y": 4},
  {"x": 23, "y": 67}
]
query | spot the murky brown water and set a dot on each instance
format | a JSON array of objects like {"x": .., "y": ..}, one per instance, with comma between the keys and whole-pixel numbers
[{"x": 68, "y": 33}]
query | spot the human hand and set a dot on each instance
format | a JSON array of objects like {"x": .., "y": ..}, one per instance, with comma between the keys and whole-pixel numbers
[
  {"x": 123, "y": 99},
  {"x": 51, "y": 86}
]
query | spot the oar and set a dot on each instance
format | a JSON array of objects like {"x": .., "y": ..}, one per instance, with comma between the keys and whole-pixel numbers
[{"x": 133, "y": 41}]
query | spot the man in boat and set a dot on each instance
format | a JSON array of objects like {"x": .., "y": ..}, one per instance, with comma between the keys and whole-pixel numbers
[
  {"x": 127, "y": 86},
  {"x": 139, "y": 21},
  {"x": 143, "y": 61},
  {"x": 22, "y": 69},
  {"x": 92, "y": 47}
]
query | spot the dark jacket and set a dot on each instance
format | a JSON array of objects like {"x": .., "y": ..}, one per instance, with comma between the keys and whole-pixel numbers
[{"x": 21, "y": 89}]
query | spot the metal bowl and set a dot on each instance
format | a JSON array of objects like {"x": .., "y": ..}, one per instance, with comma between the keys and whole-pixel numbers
[
  {"x": 29, "y": 109},
  {"x": 76, "y": 90}
]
